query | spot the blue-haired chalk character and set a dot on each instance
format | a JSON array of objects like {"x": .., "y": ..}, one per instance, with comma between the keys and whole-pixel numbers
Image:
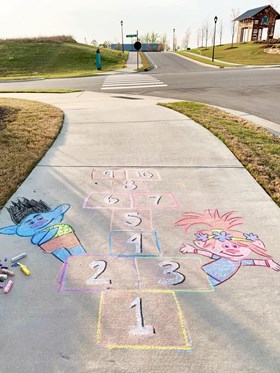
[{"x": 37, "y": 220}]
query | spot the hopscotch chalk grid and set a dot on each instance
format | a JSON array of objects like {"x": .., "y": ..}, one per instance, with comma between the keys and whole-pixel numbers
[{"x": 138, "y": 308}]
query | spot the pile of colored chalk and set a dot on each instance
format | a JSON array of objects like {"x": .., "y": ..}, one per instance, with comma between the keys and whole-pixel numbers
[{"x": 5, "y": 272}]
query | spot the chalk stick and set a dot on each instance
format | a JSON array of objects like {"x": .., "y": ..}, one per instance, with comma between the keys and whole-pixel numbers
[
  {"x": 18, "y": 257},
  {"x": 8, "y": 287},
  {"x": 7, "y": 272},
  {"x": 3, "y": 278},
  {"x": 24, "y": 269}
]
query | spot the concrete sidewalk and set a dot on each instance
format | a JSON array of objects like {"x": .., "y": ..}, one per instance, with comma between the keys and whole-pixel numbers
[{"x": 129, "y": 169}]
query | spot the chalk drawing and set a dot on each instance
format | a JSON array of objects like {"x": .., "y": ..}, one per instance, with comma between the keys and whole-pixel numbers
[
  {"x": 108, "y": 174},
  {"x": 101, "y": 267},
  {"x": 141, "y": 328},
  {"x": 115, "y": 173},
  {"x": 142, "y": 174},
  {"x": 157, "y": 200},
  {"x": 134, "y": 243},
  {"x": 229, "y": 249},
  {"x": 176, "y": 278},
  {"x": 129, "y": 186},
  {"x": 162, "y": 331},
  {"x": 98, "y": 273},
  {"x": 179, "y": 274},
  {"x": 132, "y": 219},
  {"x": 44, "y": 225},
  {"x": 104, "y": 200}
]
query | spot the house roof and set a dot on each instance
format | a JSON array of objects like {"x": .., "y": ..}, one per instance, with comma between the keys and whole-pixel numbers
[{"x": 252, "y": 12}]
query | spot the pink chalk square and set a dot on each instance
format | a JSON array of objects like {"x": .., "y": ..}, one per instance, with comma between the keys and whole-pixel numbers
[
  {"x": 98, "y": 273},
  {"x": 172, "y": 273},
  {"x": 108, "y": 173},
  {"x": 103, "y": 200},
  {"x": 129, "y": 186},
  {"x": 142, "y": 174},
  {"x": 140, "y": 219},
  {"x": 155, "y": 200},
  {"x": 134, "y": 243},
  {"x": 134, "y": 320}
]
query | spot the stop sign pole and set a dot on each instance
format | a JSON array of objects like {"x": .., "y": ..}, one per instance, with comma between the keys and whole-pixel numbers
[
  {"x": 137, "y": 46},
  {"x": 137, "y": 54}
]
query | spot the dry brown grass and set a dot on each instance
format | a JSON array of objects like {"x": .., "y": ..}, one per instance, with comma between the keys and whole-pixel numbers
[
  {"x": 27, "y": 130},
  {"x": 256, "y": 148}
]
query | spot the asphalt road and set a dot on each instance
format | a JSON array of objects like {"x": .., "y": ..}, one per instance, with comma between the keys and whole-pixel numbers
[{"x": 252, "y": 90}]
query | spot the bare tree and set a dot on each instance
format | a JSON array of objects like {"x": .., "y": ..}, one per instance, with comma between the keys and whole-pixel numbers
[
  {"x": 186, "y": 40},
  {"x": 154, "y": 37},
  {"x": 94, "y": 42},
  {"x": 234, "y": 14},
  {"x": 198, "y": 36},
  {"x": 221, "y": 30},
  {"x": 202, "y": 34},
  {"x": 163, "y": 40},
  {"x": 146, "y": 38},
  {"x": 206, "y": 32}
]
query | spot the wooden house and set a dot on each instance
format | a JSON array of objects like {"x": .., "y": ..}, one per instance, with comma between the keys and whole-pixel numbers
[{"x": 253, "y": 22}]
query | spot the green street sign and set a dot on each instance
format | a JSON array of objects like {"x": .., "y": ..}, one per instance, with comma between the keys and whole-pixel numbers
[{"x": 131, "y": 36}]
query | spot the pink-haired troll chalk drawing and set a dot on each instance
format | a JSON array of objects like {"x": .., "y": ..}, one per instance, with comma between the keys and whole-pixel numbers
[{"x": 228, "y": 248}]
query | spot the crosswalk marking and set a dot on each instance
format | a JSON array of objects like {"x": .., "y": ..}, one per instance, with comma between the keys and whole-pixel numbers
[{"x": 128, "y": 81}]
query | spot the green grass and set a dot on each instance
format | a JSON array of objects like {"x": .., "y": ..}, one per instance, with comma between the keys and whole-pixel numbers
[
  {"x": 241, "y": 53},
  {"x": 27, "y": 130},
  {"x": 200, "y": 59},
  {"x": 53, "y": 59},
  {"x": 39, "y": 90},
  {"x": 256, "y": 148}
]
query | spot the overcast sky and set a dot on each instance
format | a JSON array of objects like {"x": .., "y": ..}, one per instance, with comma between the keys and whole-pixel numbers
[{"x": 100, "y": 20}]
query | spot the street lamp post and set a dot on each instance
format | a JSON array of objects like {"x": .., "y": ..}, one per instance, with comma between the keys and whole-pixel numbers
[
  {"x": 173, "y": 39},
  {"x": 122, "y": 36},
  {"x": 213, "y": 50}
]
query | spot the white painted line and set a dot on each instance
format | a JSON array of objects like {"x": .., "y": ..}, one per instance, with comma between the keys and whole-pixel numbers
[
  {"x": 136, "y": 86},
  {"x": 132, "y": 83}
]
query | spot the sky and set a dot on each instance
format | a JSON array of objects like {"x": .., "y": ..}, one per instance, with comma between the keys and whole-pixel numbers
[{"x": 86, "y": 20}]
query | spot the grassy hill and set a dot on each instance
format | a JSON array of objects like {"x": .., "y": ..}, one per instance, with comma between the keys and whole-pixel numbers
[
  {"x": 43, "y": 58},
  {"x": 241, "y": 53}
]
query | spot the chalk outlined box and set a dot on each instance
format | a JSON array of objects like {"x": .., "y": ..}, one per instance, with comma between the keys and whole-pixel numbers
[
  {"x": 135, "y": 219},
  {"x": 142, "y": 174},
  {"x": 134, "y": 243},
  {"x": 82, "y": 273},
  {"x": 178, "y": 274},
  {"x": 109, "y": 173},
  {"x": 154, "y": 200},
  {"x": 105, "y": 200},
  {"x": 129, "y": 185},
  {"x": 161, "y": 313}
]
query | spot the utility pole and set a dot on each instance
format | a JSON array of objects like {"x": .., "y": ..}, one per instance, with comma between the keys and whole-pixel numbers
[{"x": 174, "y": 40}]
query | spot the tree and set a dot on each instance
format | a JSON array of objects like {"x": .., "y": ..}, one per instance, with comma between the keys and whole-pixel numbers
[
  {"x": 202, "y": 34},
  {"x": 198, "y": 35},
  {"x": 146, "y": 38},
  {"x": 154, "y": 37},
  {"x": 106, "y": 44},
  {"x": 221, "y": 29},
  {"x": 206, "y": 32},
  {"x": 94, "y": 42},
  {"x": 234, "y": 14},
  {"x": 163, "y": 40},
  {"x": 186, "y": 39}
]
